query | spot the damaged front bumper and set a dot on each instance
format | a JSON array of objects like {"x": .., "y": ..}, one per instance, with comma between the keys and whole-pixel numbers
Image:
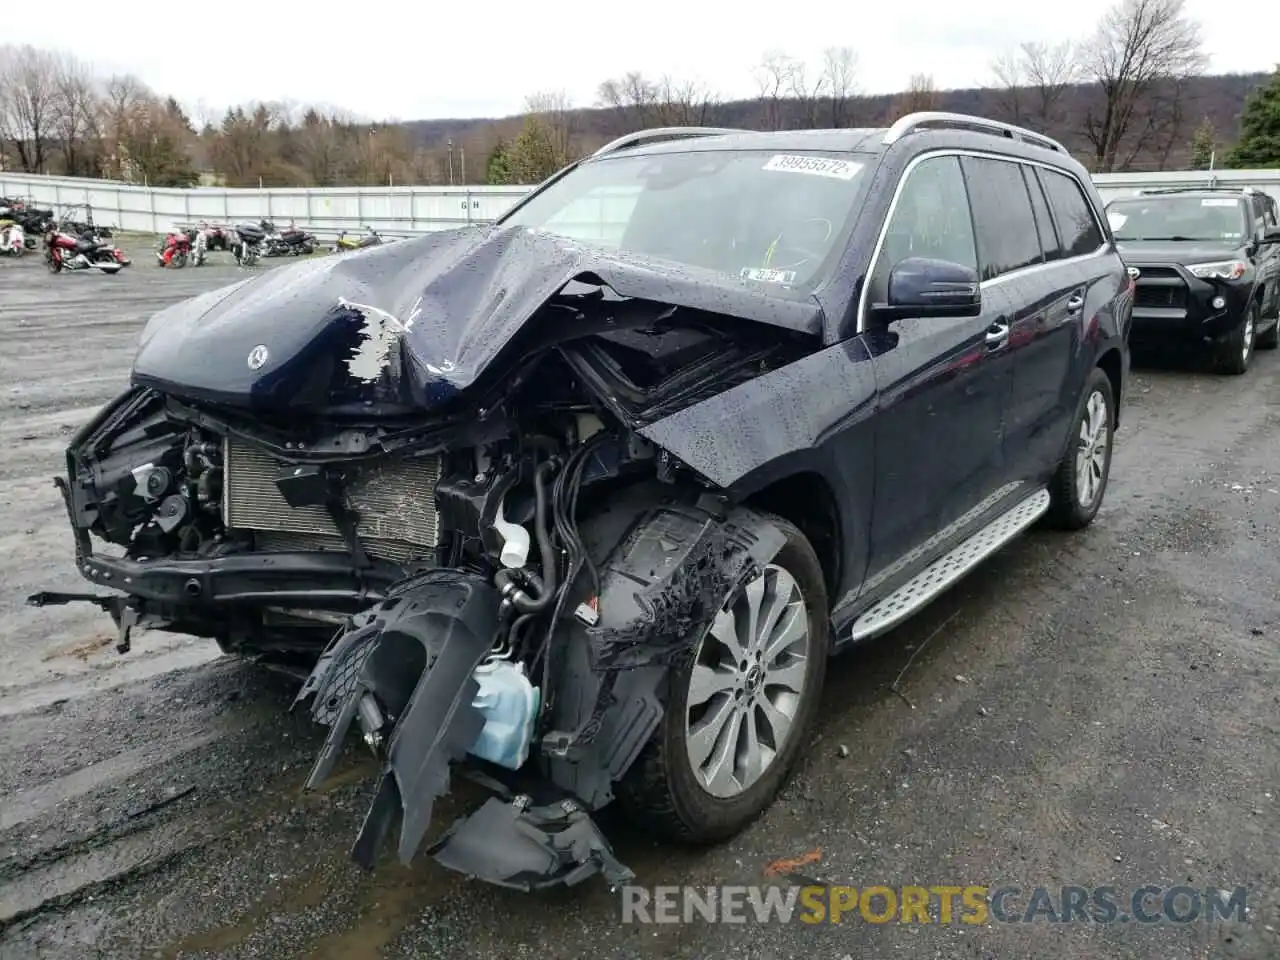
[{"x": 406, "y": 675}]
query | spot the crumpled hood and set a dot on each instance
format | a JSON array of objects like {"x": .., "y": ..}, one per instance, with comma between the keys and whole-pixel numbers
[{"x": 406, "y": 323}]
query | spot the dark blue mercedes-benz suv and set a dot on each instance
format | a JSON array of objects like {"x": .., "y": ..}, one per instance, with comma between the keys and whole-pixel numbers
[{"x": 577, "y": 503}]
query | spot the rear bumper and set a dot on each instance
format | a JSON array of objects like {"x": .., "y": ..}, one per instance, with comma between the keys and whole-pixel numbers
[{"x": 1173, "y": 306}]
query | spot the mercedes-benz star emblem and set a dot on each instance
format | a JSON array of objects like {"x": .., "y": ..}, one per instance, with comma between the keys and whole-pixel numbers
[
  {"x": 1134, "y": 273},
  {"x": 258, "y": 356}
]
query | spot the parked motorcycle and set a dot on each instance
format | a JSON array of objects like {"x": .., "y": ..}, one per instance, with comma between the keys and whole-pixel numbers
[
  {"x": 174, "y": 249},
  {"x": 199, "y": 238},
  {"x": 13, "y": 239},
  {"x": 291, "y": 242},
  {"x": 247, "y": 247},
  {"x": 370, "y": 238},
  {"x": 33, "y": 220},
  {"x": 218, "y": 236},
  {"x": 66, "y": 251}
]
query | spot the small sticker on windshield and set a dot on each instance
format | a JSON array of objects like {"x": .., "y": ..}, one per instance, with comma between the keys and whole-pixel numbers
[
  {"x": 818, "y": 166},
  {"x": 1217, "y": 202},
  {"x": 764, "y": 275}
]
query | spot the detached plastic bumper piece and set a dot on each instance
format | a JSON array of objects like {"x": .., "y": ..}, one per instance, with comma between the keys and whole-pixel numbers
[
  {"x": 405, "y": 672},
  {"x": 529, "y": 848}
]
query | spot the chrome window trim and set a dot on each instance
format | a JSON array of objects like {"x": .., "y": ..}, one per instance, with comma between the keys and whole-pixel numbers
[{"x": 983, "y": 155}]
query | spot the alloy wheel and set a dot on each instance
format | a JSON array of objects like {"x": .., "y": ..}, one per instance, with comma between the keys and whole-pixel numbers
[
  {"x": 1091, "y": 453},
  {"x": 1247, "y": 346},
  {"x": 746, "y": 684}
]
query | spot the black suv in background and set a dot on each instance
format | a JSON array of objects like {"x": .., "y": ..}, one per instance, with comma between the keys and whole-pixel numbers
[
  {"x": 591, "y": 492},
  {"x": 1207, "y": 266}
]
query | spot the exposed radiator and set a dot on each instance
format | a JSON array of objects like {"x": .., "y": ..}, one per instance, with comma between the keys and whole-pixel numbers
[{"x": 394, "y": 498}]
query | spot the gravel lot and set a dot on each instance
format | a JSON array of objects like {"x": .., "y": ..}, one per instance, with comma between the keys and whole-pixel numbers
[{"x": 1098, "y": 708}]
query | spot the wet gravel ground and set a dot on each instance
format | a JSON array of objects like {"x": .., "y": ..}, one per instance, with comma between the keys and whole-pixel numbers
[{"x": 1097, "y": 708}]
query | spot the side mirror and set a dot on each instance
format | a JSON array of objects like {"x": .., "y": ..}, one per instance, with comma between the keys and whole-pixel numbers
[
  {"x": 1271, "y": 235},
  {"x": 922, "y": 287}
]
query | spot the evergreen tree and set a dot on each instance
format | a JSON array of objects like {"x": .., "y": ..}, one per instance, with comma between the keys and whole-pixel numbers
[
  {"x": 1259, "y": 144},
  {"x": 1203, "y": 145},
  {"x": 497, "y": 169},
  {"x": 533, "y": 156}
]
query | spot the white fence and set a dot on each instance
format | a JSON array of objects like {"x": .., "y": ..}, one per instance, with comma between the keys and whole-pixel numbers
[{"x": 402, "y": 211}]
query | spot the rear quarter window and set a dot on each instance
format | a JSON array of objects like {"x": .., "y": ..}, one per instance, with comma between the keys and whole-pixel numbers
[
  {"x": 1072, "y": 213},
  {"x": 1002, "y": 216}
]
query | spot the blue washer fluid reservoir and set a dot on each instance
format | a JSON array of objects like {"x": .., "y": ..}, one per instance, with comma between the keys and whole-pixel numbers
[{"x": 509, "y": 704}]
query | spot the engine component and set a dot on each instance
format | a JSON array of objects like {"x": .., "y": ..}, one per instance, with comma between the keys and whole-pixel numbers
[
  {"x": 515, "y": 541},
  {"x": 509, "y": 704},
  {"x": 394, "y": 499}
]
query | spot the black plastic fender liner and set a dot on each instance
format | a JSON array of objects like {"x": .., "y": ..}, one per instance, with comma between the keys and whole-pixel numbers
[
  {"x": 662, "y": 587},
  {"x": 529, "y": 848},
  {"x": 417, "y": 652}
]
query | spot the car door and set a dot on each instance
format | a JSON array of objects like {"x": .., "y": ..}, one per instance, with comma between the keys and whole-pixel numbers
[
  {"x": 1060, "y": 295},
  {"x": 942, "y": 386},
  {"x": 1268, "y": 255}
]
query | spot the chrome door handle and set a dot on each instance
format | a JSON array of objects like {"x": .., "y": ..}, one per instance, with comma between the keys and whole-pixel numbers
[
  {"x": 1075, "y": 304},
  {"x": 997, "y": 334}
]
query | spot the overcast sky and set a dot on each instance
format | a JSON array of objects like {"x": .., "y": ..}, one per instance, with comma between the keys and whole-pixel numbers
[{"x": 386, "y": 59}]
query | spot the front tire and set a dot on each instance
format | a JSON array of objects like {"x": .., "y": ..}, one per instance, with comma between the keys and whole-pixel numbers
[
  {"x": 1236, "y": 349},
  {"x": 1080, "y": 482},
  {"x": 738, "y": 716}
]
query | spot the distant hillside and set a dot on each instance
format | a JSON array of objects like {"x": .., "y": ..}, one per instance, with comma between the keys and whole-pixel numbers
[{"x": 1216, "y": 100}]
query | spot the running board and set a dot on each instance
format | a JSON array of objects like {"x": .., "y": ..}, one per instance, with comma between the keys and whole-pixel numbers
[{"x": 946, "y": 570}]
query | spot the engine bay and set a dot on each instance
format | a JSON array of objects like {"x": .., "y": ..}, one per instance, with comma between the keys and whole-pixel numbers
[{"x": 376, "y": 554}]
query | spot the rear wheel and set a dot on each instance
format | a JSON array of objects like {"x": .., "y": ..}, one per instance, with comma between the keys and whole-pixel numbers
[
  {"x": 738, "y": 715},
  {"x": 1236, "y": 349},
  {"x": 1080, "y": 483}
]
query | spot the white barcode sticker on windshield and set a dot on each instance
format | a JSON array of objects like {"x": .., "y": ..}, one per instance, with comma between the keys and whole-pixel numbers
[
  {"x": 764, "y": 275},
  {"x": 1217, "y": 202},
  {"x": 818, "y": 166}
]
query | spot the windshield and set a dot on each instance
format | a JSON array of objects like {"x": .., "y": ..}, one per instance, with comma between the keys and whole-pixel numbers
[
  {"x": 764, "y": 217},
  {"x": 1217, "y": 219}
]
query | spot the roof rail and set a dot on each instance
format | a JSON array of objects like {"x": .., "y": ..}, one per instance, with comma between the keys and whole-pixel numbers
[
  {"x": 657, "y": 134},
  {"x": 962, "y": 121}
]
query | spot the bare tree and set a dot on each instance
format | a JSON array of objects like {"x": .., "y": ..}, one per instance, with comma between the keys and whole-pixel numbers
[
  {"x": 554, "y": 110},
  {"x": 29, "y": 103},
  {"x": 77, "y": 116},
  {"x": 634, "y": 96},
  {"x": 1011, "y": 85},
  {"x": 920, "y": 94},
  {"x": 122, "y": 111},
  {"x": 774, "y": 79},
  {"x": 1138, "y": 46},
  {"x": 809, "y": 92},
  {"x": 1033, "y": 80},
  {"x": 684, "y": 103},
  {"x": 839, "y": 70}
]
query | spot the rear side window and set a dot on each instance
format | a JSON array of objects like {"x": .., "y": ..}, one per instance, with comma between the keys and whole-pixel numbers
[
  {"x": 1071, "y": 210},
  {"x": 1002, "y": 217},
  {"x": 1049, "y": 242}
]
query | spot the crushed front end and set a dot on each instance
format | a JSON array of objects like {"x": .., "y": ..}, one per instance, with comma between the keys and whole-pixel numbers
[{"x": 435, "y": 561}]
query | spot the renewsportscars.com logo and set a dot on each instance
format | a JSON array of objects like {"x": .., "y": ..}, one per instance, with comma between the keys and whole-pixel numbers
[{"x": 944, "y": 904}]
